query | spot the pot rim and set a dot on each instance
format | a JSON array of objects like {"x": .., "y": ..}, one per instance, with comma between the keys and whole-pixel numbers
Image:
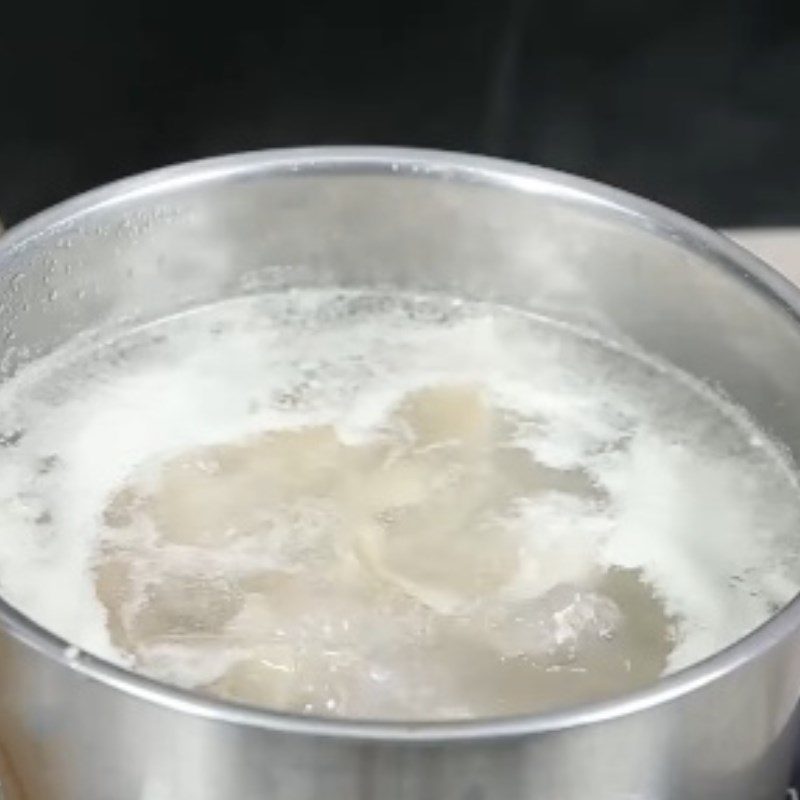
[{"x": 441, "y": 165}]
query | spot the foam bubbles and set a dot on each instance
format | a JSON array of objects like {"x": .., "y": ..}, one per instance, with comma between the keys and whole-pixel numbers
[{"x": 387, "y": 506}]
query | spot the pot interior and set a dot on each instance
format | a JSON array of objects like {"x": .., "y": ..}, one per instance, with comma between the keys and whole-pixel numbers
[{"x": 407, "y": 222}]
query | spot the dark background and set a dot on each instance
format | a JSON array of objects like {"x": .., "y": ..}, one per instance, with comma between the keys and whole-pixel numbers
[{"x": 695, "y": 104}]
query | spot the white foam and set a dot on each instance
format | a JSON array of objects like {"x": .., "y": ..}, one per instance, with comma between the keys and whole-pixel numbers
[{"x": 706, "y": 517}]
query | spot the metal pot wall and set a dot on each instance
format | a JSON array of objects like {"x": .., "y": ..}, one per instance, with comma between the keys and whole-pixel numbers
[{"x": 75, "y": 728}]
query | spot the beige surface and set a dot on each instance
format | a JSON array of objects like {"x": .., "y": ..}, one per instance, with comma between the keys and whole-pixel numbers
[{"x": 779, "y": 247}]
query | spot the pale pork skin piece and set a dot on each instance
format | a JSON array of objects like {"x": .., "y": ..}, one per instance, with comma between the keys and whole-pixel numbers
[{"x": 373, "y": 579}]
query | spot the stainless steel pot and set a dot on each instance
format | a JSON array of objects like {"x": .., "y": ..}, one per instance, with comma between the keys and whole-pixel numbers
[{"x": 75, "y": 728}]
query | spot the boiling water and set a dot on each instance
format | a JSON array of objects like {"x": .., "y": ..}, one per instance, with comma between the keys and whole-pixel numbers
[{"x": 386, "y": 506}]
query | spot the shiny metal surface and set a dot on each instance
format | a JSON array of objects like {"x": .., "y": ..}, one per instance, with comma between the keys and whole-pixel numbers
[{"x": 75, "y": 728}]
